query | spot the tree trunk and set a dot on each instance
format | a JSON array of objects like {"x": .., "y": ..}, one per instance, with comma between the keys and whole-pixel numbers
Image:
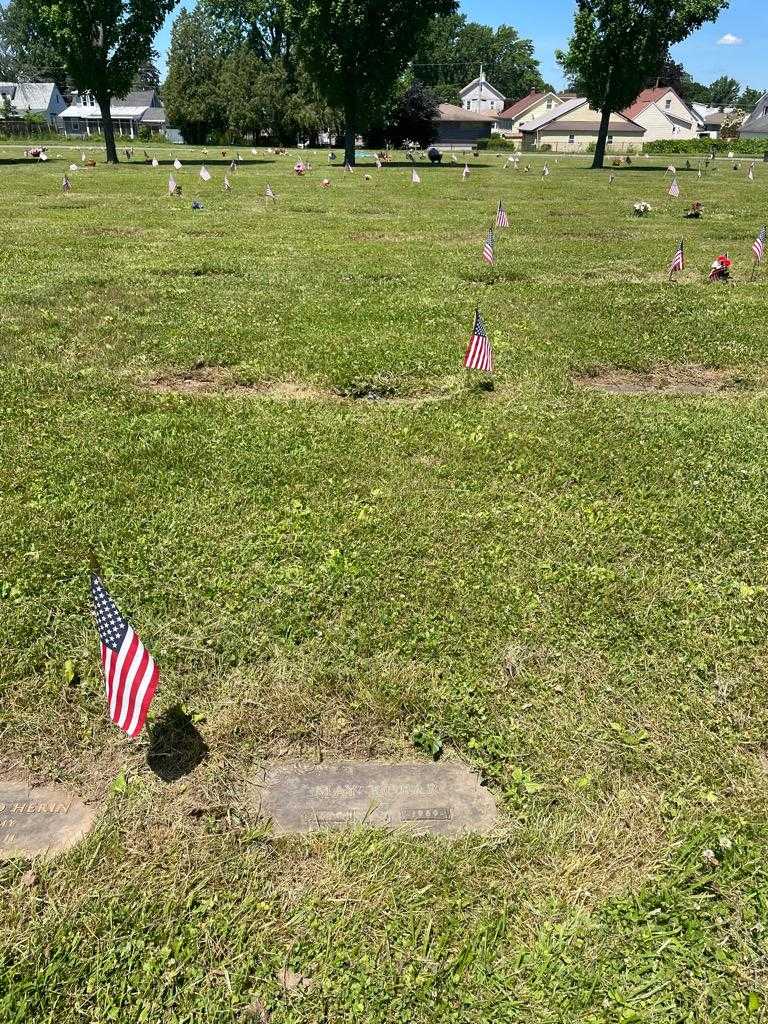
[
  {"x": 350, "y": 125},
  {"x": 602, "y": 137},
  {"x": 105, "y": 105}
]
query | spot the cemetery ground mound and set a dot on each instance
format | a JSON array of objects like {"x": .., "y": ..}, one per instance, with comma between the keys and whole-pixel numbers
[{"x": 564, "y": 589}]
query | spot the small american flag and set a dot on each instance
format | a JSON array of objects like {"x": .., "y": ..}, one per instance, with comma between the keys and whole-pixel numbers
[
  {"x": 502, "y": 221},
  {"x": 177, "y": 164},
  {"x": 415, "y": 178},
  {"x": 488, "y": 247},
  {"x": 227, "y": 185},
  {"x": 698, "y": 173},
  {"x": 479, "y": 354},
  {"x": 674, "y": 189},
  {"x": 130, "y": 673},
  {"x": 751, "y": 172},
  {"x": 758, "y": 247},
  {"x": 545, "y": 171},
  {"x": 171, "y": 185},
  {"x": 678, "y": 260},
  {"x": 347, "y": 168},
  {"x": 205, "y": 174},
  {"x": 611, "y": 179},
  {"x": 465, "y": 172},
  {"x": 233, "y": 165},
  {"x": 378, "y": 163},
  {"x": 269, "y": 193},
  {"x": 66, "y": 184},
  {"x": 155, "y": 162}
]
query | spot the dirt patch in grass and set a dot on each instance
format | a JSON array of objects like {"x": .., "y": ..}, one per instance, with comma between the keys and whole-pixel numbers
[
  {"x": 661, "y": 380},
  {"x": 218, "y": 380}
]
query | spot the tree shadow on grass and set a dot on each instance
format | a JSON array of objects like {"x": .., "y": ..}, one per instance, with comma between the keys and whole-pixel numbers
[{"x": 176, "y": 747}]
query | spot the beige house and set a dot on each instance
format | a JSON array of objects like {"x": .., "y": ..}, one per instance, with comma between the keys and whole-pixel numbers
[
  {"x": 529, "y": 108},
  {"x": 664, "y": 115},
  {"x": 574, "y": 125}
]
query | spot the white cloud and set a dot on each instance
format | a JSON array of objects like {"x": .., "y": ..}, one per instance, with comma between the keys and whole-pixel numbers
[{"x": 729, "y": 39}]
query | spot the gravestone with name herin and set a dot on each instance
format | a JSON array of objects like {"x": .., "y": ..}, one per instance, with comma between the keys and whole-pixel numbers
[
  {"x": 40, "y": 820},
  {"x": 439, "y": 799}
]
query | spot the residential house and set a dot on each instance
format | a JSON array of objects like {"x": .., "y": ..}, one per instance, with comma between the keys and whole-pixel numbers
[
  {"x": 756, "y": 125},
  {"x": 711, "y": 119},
  {"x": 129, "y": 114},
  {"x": 41, "y": 99},
  {"x": 529, "y": 108},
  {"x": 572, "y": 126},
  {"x": 459, "y": 128},
  {"x": 664, "y": 115},
  {"x": 480, "y": 96}
]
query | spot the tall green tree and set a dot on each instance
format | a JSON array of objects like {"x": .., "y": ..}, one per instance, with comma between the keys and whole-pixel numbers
[
  {"x": 616, "y": 45},
  {"x": 451, "y": 50},
  {"x": 24, "y": 56},
  {"x": 192, "y": 91},
  {"x": 102, "y": 44},
  {"x": 749, "y": 98},
  {"x": 147, "y": 76},
  {"x": 724, "y": 92},
  {"x": 414, "y": 117},
  {"x": 355, "y": 50}
]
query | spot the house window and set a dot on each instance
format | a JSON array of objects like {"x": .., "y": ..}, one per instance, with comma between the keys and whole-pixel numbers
[
  {"x": 469, "y": 104},
  {"x": 668, "y": 104},
  {"x": 571, "y": 138},
  {"x": 549, "y": 104},
  {"x": 609, "y": 140}
]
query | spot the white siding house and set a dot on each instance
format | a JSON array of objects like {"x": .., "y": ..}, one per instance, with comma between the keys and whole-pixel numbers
[
  {"x": 756, "y": 125},
  {"x": 40, "y": 98},
  {"x": 480, "y": 97},
  {"x": 664, "y": 115}
]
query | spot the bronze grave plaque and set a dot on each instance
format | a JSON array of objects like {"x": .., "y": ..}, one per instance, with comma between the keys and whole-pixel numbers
[
  {"x": 40, "y": 820},
  {"x": 440, "y": 799}
]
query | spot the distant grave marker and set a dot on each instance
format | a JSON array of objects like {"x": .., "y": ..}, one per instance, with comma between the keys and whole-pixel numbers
[
  {"x": 40, "y": 820},
  {"x": 438, "y": 799}
]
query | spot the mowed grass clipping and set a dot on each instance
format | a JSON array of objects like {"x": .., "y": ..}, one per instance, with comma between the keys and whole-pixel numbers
[{"x": 345, "y": 551}]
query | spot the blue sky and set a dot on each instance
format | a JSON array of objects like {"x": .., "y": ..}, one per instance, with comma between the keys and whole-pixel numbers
[{"x": 548, "y": 24}]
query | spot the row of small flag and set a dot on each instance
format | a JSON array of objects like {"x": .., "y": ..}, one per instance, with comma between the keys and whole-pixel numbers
[
  {"x": 674, "y": 188},
  {"x": 722, "y": 263}
]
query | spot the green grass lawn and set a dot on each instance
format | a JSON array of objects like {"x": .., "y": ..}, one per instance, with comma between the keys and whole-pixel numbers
[{"x": 566, "y": 589}]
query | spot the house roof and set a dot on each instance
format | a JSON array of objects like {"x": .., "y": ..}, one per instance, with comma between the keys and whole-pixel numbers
[
  {"x": 480, "y": 80},
  {"x": 34, "y": 95},
  {"x": 646, "y": 97},
  {"x": 520, "y": 106},
  {"x": 649, "y": 96},
  {"x": 759, "y": 126},
  {"x": 450, "y": 112},
  {"x": 620, "y": 123},
  {"x": 154, "y": 115},
  {"x": 135, "y": 105}
]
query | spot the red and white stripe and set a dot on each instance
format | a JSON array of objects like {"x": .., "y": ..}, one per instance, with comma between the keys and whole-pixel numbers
[{"x": 130, "y": 676}]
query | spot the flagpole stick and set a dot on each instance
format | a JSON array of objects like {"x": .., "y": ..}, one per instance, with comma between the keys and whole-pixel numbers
[{"x": 754, "y": 268}]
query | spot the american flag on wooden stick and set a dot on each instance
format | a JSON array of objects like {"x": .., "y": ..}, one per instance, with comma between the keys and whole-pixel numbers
[
  {"x": 415, "y": 177},
  {"x": 227, "y": 185},
  {"x": 678, "y": 260},
  {"x": 758, "y": 246},
  {"x": 502, "y": 221},
  {"x": 130, "y": 672},
  {"x": 269, "y": 193},
  {"x": 177, "y": 164},
  {"x": 751, "y": 172},
  {"x": 465, "y": 172},
  {"x": 488, "y": 247},
  {"x": 479, "y": 354},
  {"x": 205, "y": 174},
  {"x": 674, "y": 189},
  {"x": 66, "y": 184},
  {"x": 171, "y": 185}
]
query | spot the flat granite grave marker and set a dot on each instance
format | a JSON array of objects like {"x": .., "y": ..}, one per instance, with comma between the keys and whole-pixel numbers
[
  {"x": 40, "y": 820},
  {"x": 439, "y": 799}
]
